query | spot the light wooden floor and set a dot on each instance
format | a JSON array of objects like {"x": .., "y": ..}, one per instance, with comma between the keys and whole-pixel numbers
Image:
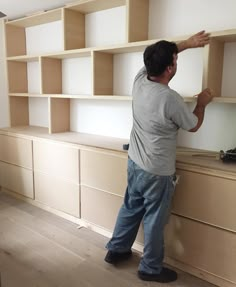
[{"x": 39, "y": 249}]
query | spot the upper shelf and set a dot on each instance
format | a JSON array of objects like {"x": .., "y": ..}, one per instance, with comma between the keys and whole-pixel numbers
[
  {"x": 74, "y": 25},
  {"x": 90, "y": 6},
  {"x": 37, "y": 19},
  {"x": 226, "y": 100}
]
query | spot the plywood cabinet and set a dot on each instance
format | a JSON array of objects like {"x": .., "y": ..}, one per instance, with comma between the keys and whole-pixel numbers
[
  {"x": 17, "y": 179},
  {"x": 202, "y": 249},
  {"x": 56, "y": 176},
  {"x": 201, "y": 234},
  {"x": 16, "y": 165},
  {"x": 103, "y": 184},
  {"x": 206, "y": 198}
]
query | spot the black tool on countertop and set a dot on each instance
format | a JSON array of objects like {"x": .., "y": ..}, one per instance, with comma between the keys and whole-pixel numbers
[
  {"x": 228, "y": 156},
  {"x": 125, "y": 146}
]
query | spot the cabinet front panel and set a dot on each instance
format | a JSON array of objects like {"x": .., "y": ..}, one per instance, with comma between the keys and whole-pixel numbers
[
  {"x": 16, "y": 151},
  {"x": 17, "y": 179},
  {"x": 57, "y": 160},
  {"x": 57, "y": 193},
  {"x": 101, "y": 208},
  {"x": 202, "y": 246},
  {"x": 207, "y": 198},
  {"x": 103, "y": 171}
]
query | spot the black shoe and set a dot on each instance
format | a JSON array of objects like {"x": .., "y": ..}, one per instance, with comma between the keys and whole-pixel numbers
[
  {"x": 115, "y": 257},
  {"x": 167, "y": 275}
]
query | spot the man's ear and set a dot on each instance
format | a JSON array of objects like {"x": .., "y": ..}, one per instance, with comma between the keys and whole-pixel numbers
[{"x": 169, "y": 69}]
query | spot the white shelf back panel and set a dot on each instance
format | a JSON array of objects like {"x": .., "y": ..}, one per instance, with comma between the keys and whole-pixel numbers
[
  {"x": 105, "y": 27},
  {"x": 38, "y": 112},
  {"x": 216, "y": 130},
  {"x": 106, "y": 118},
  {"x": 125, "y": 68},
  {"x": 33, "y": 75},
  {"x": 77, "y": 76},
  {"x": 188, "y": 79},
  {"x": 44, "y": 38},
  {"x": 228, "y": 77}
]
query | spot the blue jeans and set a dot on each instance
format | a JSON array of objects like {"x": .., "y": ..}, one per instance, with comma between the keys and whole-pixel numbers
[{"x": 147, "y": 197}]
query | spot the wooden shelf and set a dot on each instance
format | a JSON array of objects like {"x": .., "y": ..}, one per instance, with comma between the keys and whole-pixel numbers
[
  {"x": 37, "y": 19},
  {"x": 24, "y": 58},
  {"x": 83, "y": 140},
  {"x": 27, "y": 95},
  {"x": 204, "y": 161},
  {"x": 80, "y": 97},
  {"x": 223, "y": 100},
  {"x": 92, "y": 97},
  {"x": 95, "y": 6}
]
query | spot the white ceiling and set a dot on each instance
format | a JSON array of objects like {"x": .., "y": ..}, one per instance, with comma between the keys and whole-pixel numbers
[{"x": 19, "y": 8}]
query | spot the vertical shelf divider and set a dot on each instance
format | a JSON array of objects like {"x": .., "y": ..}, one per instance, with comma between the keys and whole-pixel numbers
[
  {"x": 59, "y": 115},
  {"x": 15, "y": 34},
  {"x": 213, "y": 69},
  {"x": 102, "y": 73},
  {"x": 74, "y": 29},
  {"x": 51, "y": 71},
  {"x": 137, "y": 20},
  {"x": 19, "y": 111}
]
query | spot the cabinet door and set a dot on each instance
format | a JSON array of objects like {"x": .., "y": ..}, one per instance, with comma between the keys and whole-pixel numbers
[
  {"x": 207, "y": 198},
  {"x": 55, "y": 159},
  {"x": 202, "y": 246},
  {"x": 104, "y": 171},
  {"x": 17, "y": 179},
  {"x": 101, "y": 208},
  {"x": 16, "y": 151},
  {"x": 57, "y": 193}
]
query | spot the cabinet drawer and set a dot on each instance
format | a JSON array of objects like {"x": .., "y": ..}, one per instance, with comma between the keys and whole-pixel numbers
[
  {"x": 202, "y": 246},
  {"x": 57, "y": 193},
  {"x": 56, "y": 159},
  {"x": 17, "y": 179},
  {"x": 101, "y": 208},
  {"x": 16, "y": 151},
  {"x": 207, "y": 198},
  {"x": 104, "y": 171}
]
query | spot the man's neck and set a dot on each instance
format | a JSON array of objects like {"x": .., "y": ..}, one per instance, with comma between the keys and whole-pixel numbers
[{"x": 160, "y": 80}]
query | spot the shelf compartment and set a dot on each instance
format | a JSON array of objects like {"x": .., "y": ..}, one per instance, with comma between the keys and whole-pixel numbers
[
  {"x": 16, "y": 39},
  {"x": 114, "y": 73},
  {"x": 218, "y": 62},
  {"x": 28, "y": 111},
  {"x": 76, "y": 25},
  {"x": 69, "y": 73},
  {"x": 24, "y": 75}
]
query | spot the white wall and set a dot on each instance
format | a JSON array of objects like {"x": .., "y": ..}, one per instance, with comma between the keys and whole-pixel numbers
[{"x": 4, "y": 120}]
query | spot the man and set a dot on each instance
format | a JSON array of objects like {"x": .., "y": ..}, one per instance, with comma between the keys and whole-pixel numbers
[{"x": 158, "y": 113}]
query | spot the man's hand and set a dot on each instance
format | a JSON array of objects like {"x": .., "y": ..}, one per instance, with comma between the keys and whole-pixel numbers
[
  {"x": 198, "y": 40},
  {"x": 205, "y": 97}
]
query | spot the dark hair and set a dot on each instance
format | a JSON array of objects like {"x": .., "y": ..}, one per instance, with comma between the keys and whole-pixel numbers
[{"x": 159, "y": 56}]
